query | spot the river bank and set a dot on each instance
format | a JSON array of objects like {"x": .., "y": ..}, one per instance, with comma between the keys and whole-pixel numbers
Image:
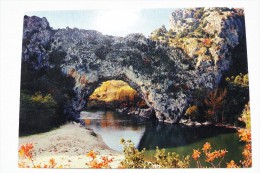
[{"x": 68, "y": 145}]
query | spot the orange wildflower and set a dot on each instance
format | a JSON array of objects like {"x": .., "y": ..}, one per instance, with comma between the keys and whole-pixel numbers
[
  {"x": 196, "y": 154},
  {"x": 102, "y": 164},
  {"x": 245, "y": 135},
  {"x": 26, "y": 150},
  {"x": 22, "y": 165},
  {"x": 248, "y": 146},
  {"x": 223, "y": 153},
  {"x": 247, "y": 153},
  {"x": 106, "y": 161},
  {"x": 37, "y": 166},
  {"x": 232, "y": 164},
  {"x": 206, "y": 147},
  {"x": 94, "y": 163},
  {"x": 210, "y": 157},
  {"x": 52, "y": 163},
  {"x": 216, "y": 154},
  {"x": 92, "y": 154},
  {"x": 247, "y": 163}
]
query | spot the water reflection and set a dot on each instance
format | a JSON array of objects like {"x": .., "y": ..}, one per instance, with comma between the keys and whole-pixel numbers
[
  {"x": 171, "y": 136},
  {"x": 113, "y": 127},
  {"x": 146, "y": 134}
]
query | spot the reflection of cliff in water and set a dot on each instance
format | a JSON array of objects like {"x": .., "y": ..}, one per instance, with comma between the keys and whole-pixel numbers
[
  {"x": 170, "y": 136},
  {"x": 112, "y": 120},
  {"x": 144, "y": 133},
  {"x": 112, "y": 127}
]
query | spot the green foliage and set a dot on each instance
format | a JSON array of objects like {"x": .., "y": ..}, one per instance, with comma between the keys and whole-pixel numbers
[
  {"x": 238, "y": 79},
  {"x": 45, "y": 93},
  {"x": 170, "y": 160},
  {"x": 39, "y": 98},
  {"x": 235, "y": 100},
  {"x": 36, "y": 113},
  {"x": 241, "y": 80},
  {"x": 135, "y": 158},
  {"x": 245, "y": 116},
  {"x": 237, "y": 97},
  {"x": 246, "y": 80}
]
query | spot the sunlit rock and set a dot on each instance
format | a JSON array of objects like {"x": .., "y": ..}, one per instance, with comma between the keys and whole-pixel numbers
[{"x": 164, "y": 75}]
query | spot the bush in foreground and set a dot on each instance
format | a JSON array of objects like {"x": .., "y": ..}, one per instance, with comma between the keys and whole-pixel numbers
[
  {"x": 135, "y": 158},
  {"x": 37, "y": 113}
]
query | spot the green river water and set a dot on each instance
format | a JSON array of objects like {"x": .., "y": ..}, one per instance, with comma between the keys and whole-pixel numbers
[{"x": 174, "y": 138}]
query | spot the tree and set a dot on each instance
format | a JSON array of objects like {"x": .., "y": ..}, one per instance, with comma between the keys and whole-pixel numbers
[{"x": 214, "y": 100}]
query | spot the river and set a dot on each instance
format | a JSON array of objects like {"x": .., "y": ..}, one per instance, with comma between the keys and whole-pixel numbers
[{"x": 149, "y": 134}]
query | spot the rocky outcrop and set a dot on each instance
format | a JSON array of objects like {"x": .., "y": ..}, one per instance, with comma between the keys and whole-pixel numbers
[
  {"x": 209, "y": 35},
  {"x": 164, "y": 76}
]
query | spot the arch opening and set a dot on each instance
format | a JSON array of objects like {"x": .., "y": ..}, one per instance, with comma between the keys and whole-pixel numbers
[{"x": 119, "y": 96}]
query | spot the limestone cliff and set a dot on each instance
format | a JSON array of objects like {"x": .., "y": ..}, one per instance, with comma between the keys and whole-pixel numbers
[
  {"x": 165, "y": 74},
  {"x": 208, "y": 35}
]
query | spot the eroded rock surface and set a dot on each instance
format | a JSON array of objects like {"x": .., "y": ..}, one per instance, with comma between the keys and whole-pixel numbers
[{"x": 164, "y": 76}]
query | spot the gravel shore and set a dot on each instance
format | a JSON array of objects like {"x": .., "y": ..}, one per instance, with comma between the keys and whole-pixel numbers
[{"x": 68, "y": 145}]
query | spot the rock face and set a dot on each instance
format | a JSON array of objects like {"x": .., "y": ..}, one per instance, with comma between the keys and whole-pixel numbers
[
  {"x": 164, "y": 76},
  {"x": 209, "y": 35}
]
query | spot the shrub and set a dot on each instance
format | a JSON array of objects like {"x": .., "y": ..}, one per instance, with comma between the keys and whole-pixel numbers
[
  {"x": 170, "y": 160},
  {"x": 246, "y": 80},
  {"x": 245, "y": 136},
  {"x": 240, "y": 80},
  {"x": 95, "y": 163},
  {"x": 47, "y": 99},
  {"x": 245, "y": 116},
  {"x": 214, "y": 101},
  {"x": 49, "y": 81},
  {"x": 232, "y": 164},
  {"x": 37, "y": 113},
  {"x": 192, "y": 111},
  {"x": 237, "y": 97},
  {"x": 26, "y": 152},
  {"x": 213, "y": 159},
  {"x": 135, "y": 158}
]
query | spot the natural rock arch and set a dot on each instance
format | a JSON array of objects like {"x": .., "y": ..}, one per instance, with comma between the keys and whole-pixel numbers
[{"x": 165, "y": 77}]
